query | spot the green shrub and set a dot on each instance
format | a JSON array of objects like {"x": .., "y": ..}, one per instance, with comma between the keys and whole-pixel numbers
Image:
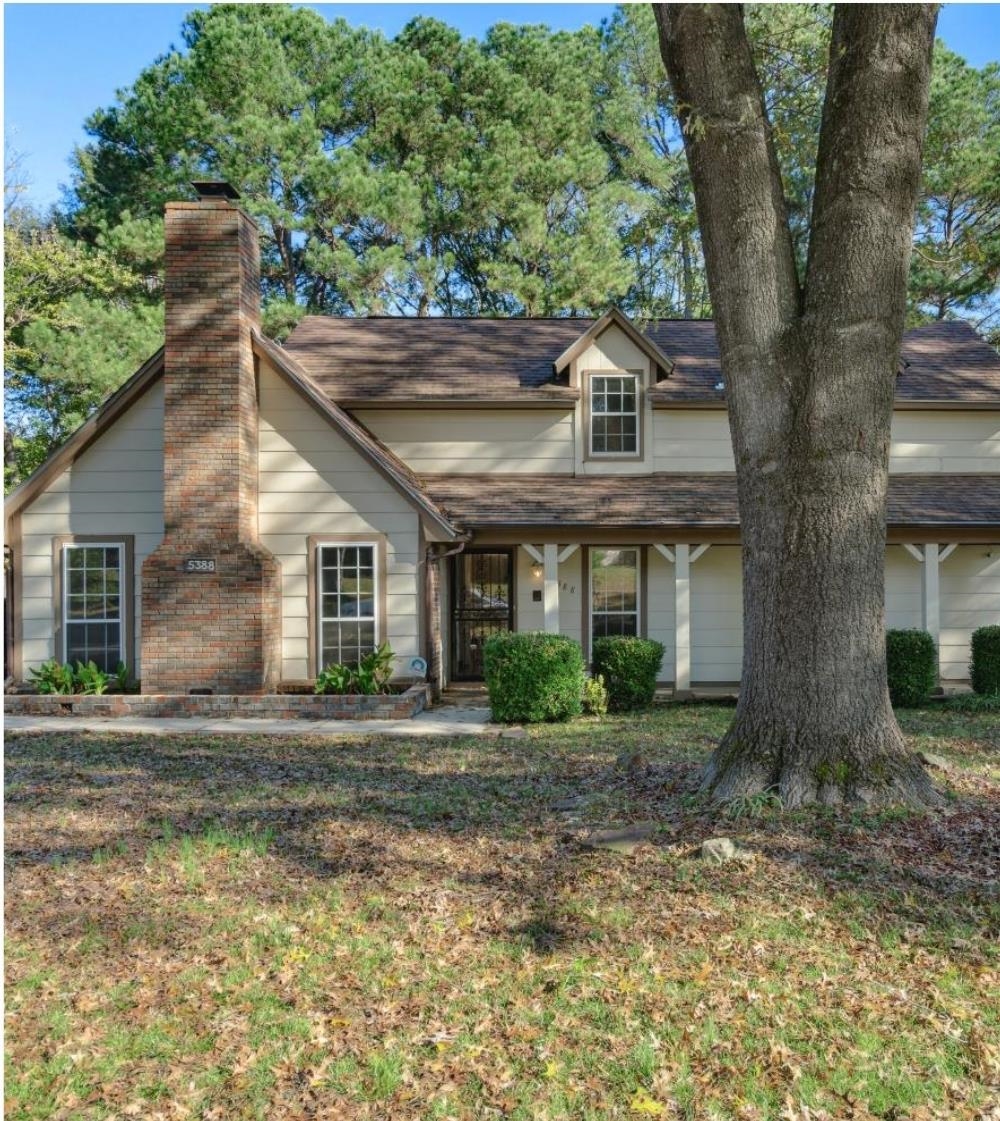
[
  {"x": 533, "y": 677},
  {"x": 370, "y": 676},
  {"x": 629, "y": 667},
  {"x": 984, "y": 669},
  {"x": 595, "y": 696},
  {"x": 911, "y": 664}
]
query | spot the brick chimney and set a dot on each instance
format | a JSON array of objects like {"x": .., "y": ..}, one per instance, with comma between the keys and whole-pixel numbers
[{"x": 211, "y": 598}]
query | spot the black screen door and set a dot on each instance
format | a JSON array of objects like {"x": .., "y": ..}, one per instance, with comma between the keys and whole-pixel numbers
[{"x": 483, "y": 605}]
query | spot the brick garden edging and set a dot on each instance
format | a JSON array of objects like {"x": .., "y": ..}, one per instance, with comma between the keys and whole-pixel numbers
[{"x": 270, "y": 706}]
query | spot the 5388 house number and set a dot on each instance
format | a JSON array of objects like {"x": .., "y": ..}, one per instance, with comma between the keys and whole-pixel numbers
[{"x": 199, "y": 564}]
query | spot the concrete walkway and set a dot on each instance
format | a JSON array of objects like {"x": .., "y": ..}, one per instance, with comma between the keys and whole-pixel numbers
[{"x": 436, "y": 722}]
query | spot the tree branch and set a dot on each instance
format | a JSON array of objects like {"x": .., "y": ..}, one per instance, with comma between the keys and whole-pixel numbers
[
  {"x": 868, "y": 166},
  {"x": 741, "y": 209}
]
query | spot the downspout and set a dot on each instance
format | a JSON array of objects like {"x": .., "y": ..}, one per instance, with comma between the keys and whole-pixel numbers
[{"x": 432, "y": 601}]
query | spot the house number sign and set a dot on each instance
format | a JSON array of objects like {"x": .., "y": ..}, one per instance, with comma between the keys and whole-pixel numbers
[{"x": 199, "y": 564}]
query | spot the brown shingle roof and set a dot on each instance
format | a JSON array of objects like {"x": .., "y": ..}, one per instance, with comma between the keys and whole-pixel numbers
[
  {"x": 667, "y": 501},
  {"x": 399, "y": 360}
]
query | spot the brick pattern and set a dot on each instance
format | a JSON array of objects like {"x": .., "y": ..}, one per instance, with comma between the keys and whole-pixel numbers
[
  {"x": 221, "y": 630},
  {"x": 397, "y": 706}
]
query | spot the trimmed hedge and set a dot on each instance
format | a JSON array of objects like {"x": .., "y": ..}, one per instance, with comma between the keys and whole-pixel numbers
[
  {"x": 911, "y": 663},
  {"x": 533, "y": 677},
  {"x": 984, "y": 668},
  {"x": 629, "y": 667}
]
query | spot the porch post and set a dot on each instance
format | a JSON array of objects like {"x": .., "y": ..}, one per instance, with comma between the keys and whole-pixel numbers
[
  {"x": 932, "y": 598},
  {"x": 550, "y": 563},
  {"x": 682, "y": 619}
]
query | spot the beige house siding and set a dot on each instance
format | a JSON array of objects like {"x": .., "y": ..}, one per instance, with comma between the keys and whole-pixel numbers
[
  {"x": 660, "y": 608},
  {"x": 530, "y": 616},
  {"x": 693, "y": 440},
  {"x": 970, "y": 598},
  {"x": 116, "y": 488},
  {"x": 903, "y": 590},
  {"x": 925, "y": 440},
  {"x": 476, "y": 441},
  {"x": 312, "y": 483},
  {"x": 717, "y": 615}
]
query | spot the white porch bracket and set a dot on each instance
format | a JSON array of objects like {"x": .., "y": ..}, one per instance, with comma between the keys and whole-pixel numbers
[
  {"x": 914, "y": 552},
  {"x": 699, "y": 551},
  {"x": 567, "y": 553},
  {"x": 665, "y": 551},
  {"x": 535, "y": 555}
]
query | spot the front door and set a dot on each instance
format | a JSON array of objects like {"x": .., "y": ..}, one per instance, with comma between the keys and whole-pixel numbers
[{"x": 483, "y": 604}]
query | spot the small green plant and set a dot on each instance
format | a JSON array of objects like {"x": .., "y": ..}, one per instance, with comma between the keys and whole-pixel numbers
[
  {"x": 754, "y": 807},
  {"x": 911, "y": 665},
  {"x": 369, "y": 677},
  {"x": 595, "y": 696},
  {"x": 52, "y": 677},
  {"x": 984, "y": 668},
  {"x": 374, "y": 671},
  {"x": 89, "y": 680},
  {"x": 533, "y": 677},
  {"x": 629, "y": 667},
  {"x": 335, "y": 679},
  {"x": 121, "y": 677}
]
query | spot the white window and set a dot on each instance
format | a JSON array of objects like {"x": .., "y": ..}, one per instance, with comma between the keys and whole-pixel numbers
[
  {"x": 614, "y": 414},
  {"x": 347, "y": 597},
  {"x": 93, "y": 617},
  {"x": 614, "y": 592}
]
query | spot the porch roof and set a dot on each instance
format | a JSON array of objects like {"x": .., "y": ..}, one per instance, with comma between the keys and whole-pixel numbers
[{"x": 665, "y": 501}]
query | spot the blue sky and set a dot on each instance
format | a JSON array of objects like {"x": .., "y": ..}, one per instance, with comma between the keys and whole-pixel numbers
[{"x": 62, "y": 61}]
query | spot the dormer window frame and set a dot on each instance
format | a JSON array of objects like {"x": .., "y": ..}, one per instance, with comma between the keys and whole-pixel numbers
[{"x": 587, "y": 378}]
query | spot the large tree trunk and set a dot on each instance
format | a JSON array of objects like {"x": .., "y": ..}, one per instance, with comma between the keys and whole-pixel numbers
[{"x": 810, "y": 370}]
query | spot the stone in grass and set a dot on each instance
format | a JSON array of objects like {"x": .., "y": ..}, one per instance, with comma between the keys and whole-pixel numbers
[
  {"x": 720, "y": 850},
  {"x": 514, "y": 733},
  {"x": 623, "y": 838}
]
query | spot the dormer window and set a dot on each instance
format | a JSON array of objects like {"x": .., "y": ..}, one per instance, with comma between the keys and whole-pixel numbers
[{"x": 614, "y": 414}]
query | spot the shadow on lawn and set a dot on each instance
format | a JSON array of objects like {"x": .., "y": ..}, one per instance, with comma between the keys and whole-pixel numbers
[{"x": 377, "y": 811}]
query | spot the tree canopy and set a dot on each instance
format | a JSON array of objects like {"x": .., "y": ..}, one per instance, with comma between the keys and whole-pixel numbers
[{"x": 528, "y": 173}]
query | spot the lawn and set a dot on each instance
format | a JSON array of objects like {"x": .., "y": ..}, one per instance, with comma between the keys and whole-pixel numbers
[{"x": 332, "y": 928}]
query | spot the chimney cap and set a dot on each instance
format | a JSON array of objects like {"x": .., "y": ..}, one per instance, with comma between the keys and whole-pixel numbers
[{"x": 215, "y": 189}]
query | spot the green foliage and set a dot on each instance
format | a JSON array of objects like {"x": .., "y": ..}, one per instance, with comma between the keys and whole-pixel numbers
[
  {"x": 369, "y": 677},
  {"x": 65, "y": 679},
  {"x": 911, "y": 664},
  {"x": 53, "y": 677},
  {"x": 533, "y": 677},
  {"x": 595, "y": 696},
  {"x": 984, "y": 667},
  {"x": 629, "y": 667},
  {"x": 973, "y": 702},
  {"x": 955, "y": 267},
  {"x": 78, "y": 320},
  {"x": 121, "y": 676}
]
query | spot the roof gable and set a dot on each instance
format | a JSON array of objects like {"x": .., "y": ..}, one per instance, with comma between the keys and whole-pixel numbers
[
  {"x": 661, "y": 364},
  {"x": 386, "y": 462},
  {"x": 92, "y": 428}
]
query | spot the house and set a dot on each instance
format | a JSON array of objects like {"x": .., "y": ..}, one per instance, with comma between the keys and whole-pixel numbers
[{"x": 240, "y": 514}]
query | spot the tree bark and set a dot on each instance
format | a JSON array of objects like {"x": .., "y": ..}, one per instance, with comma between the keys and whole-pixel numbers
[{"x": 810, "y": 372}]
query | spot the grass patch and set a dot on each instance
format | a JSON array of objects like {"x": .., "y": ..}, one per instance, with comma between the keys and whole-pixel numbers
[{"x": 254, "y": 927}]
